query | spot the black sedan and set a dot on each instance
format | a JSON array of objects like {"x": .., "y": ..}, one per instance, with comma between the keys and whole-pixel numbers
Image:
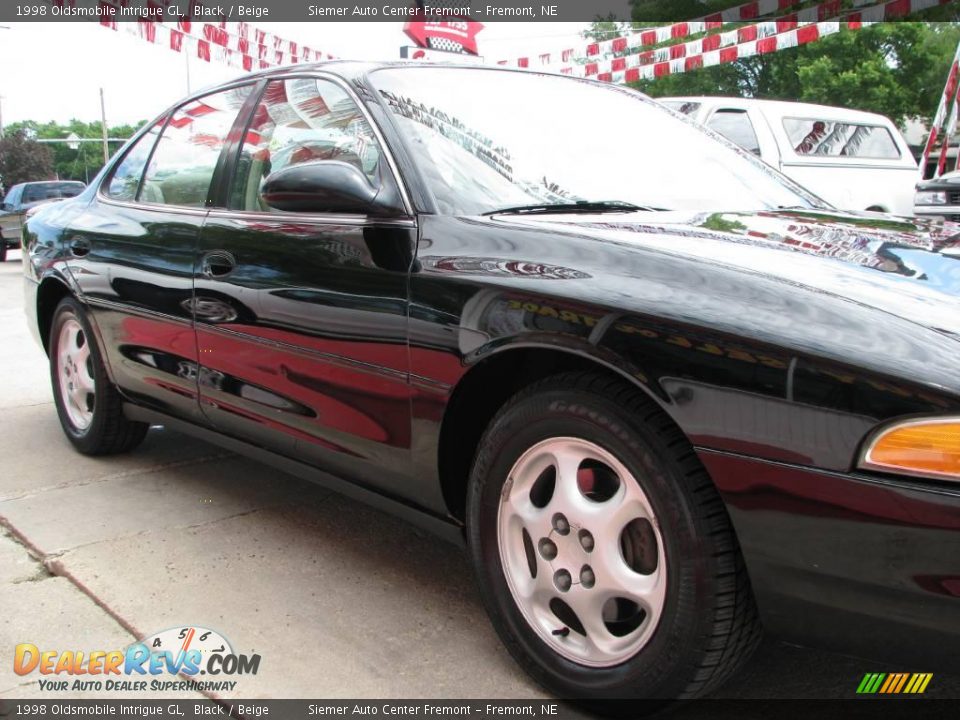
[{"x": 665, "y": 396}]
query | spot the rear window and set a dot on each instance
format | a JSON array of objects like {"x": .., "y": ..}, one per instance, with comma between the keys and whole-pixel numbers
[
  {"x": 50, "y": 191},
  {"x": 827, "y": 138}
]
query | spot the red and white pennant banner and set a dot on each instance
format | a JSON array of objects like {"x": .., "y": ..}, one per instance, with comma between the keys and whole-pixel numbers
[
  {"x": 237, "y": 44},
  {"x": 944, "y": 121},
  {"x": 865, "y": 11},
  {"x": 214, "y": 43},
  {"x": 747, "y": 41},
  {"x": 648, "y": 37}
]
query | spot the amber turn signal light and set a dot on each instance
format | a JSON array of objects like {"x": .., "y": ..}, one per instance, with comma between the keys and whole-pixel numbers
[{"x": 928, "y": 448}]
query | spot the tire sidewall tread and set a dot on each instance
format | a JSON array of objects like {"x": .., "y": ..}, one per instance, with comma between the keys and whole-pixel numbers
[
  {"x": 109, "y": 431},
  {"x": 698, "y": 540}
]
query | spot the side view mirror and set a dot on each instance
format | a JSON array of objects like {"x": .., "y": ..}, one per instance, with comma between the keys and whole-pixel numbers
[{"x": 328, "y": 186}]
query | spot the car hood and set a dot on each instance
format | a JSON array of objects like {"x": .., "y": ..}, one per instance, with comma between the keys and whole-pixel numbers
[
  {"x": 947, "y": 181},
  {"x": 908, "y": 267}
]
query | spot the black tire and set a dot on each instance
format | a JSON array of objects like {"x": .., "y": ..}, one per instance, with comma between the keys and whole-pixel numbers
[
  {"x": 109, "y": 432},
  {"x": 709, "y": 623},
  {"x": 3, "y": 250}
]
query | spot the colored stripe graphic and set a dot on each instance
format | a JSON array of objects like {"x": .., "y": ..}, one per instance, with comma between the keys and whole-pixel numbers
[
  {"x": 889, "y": 683},
  {"x": 900, "y": 682},
  {"x": 894, "y": 683}
]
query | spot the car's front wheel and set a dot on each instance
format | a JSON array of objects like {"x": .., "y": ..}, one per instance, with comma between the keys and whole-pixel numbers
[
  {"x": 89, "y": 406},
  {"x": 604, "y": 554}
]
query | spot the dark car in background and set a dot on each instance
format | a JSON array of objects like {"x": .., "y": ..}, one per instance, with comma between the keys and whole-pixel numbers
[
  {"x": 664, "y": 395},
  {"x": 21, "y": 198}
]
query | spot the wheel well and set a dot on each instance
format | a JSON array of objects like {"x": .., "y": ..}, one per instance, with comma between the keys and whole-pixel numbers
[
  {"x": 875, "y": 208},
  {"x": 49, "y": 295},
  {"x": 478, "y": 397}
]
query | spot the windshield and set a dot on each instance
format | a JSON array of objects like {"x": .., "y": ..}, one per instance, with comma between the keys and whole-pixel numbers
[{"x": 488, "y": 139}]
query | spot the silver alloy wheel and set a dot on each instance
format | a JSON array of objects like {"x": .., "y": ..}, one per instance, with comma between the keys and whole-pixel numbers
[
  {"x": 582, "y": 552},
  {"x": 75, "y": 373}
]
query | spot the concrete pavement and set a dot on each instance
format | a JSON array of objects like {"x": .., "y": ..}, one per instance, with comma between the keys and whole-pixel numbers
[{"x": 339, "y": 600}]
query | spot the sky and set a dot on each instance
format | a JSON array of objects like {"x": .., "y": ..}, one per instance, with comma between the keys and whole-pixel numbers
[{"x": 59, "y": 67}]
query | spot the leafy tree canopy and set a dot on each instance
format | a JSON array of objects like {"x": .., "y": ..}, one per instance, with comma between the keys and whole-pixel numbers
[
  {"x": 84, "y": 162},
  {"x": 23, "y": 159}
]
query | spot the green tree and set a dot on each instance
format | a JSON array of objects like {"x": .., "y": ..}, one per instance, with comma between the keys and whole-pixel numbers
[
  {"x": 84, "y": 162},
  {"x": 897, "y": 69},
  {"x": 23, "y": 159}
]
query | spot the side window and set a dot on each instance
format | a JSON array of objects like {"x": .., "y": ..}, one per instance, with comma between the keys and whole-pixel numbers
[
  {"x": 735, "y": 125},
  {"x": 13, "y": 197},
  {"x": 810, "y": 136},
  {"x": 298, "y": 121},
  {"x": 182, "y": 165},
  {"x": 125, "y": 179}
]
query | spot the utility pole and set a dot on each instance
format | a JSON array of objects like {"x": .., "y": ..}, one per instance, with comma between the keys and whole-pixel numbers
[
  {"x": 103, "y": 122},
  {"x": 2, "y": 27},
  {"x": 186, "y": 57}
]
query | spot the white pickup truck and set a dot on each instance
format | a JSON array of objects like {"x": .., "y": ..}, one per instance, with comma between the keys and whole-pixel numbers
[{"x": 852, "y": 159}]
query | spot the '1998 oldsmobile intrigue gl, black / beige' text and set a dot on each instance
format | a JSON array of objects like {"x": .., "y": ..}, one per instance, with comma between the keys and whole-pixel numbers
[{"x": 666, "y": 396}]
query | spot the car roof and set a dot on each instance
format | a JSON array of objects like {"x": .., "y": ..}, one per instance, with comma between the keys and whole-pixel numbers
[
  {"x": 357, "y": 69},
  {"x": 948, "y": 180},
  {"x": 354, "y": 68},
  {"x": 781, "y": 107},
  {"x": 52, "y": 182}
]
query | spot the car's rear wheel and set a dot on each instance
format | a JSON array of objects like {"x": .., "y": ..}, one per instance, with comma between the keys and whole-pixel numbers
[
  {"x": 89, "y": 406},
  {"x": 604, "y": 553}
]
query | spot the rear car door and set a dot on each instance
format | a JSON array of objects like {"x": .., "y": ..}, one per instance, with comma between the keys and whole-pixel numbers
[
  {"x": 301, "y": 318},
  {"x": 133, "y": 252}
]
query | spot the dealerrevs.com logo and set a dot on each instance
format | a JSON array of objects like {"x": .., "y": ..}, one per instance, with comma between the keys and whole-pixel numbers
[{"x": 170, "y": 660}]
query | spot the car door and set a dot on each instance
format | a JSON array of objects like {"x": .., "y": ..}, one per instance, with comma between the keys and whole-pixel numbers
[
  {"x": 133, "y": 251},
  {"x": 301, "y": 318}
]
